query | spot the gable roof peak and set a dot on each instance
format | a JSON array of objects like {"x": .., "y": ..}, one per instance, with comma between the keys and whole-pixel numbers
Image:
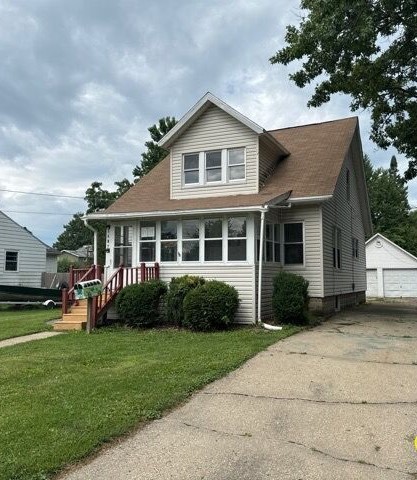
[{"x": 199, "y": 108}]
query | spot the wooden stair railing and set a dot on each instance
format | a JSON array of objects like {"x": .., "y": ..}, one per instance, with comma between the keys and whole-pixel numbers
[
  {"x": 121, "y": 277},
  {"x": 78, "y": 275}
]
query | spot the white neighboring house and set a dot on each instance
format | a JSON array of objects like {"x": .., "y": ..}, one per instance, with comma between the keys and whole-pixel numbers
[
  {"x": 390, "y": 270},
  {"x": 229, "y": 186},
  {"x": 23, "y": 257}
]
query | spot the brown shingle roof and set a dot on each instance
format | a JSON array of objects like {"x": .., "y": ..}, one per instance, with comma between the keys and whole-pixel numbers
[{"x": 311, "y": 169}]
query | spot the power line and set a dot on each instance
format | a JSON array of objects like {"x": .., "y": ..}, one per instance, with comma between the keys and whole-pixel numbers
[
  {"x": 38, "y": 213},
  {"x": 42, "y": 194}
]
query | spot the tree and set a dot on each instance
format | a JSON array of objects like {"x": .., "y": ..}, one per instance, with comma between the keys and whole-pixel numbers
[
  {"x": 154, "y": 153},
  {"x": 368, "y": 50},
  {"x": 75, "y": 235}
]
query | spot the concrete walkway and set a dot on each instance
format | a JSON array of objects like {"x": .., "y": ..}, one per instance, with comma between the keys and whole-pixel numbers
[
  {"x": 337, "y": 402},
  {"x": 27, "y": 338}
]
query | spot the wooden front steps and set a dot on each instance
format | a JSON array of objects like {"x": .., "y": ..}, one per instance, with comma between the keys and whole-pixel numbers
[{"x": 76, "y": 319}]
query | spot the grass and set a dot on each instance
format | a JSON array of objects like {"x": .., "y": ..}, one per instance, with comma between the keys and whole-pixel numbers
[
  {"x": 15, "y": 323},
  {"x": 63, "y": 397}
]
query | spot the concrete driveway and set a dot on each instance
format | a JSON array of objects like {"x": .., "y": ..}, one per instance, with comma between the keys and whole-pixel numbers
[{"x": 336, "y": 402}]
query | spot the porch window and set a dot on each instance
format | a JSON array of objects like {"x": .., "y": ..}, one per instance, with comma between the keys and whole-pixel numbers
[
  {"x": 269, "y": 243},
  {"x": 213, "y": 240},
  {"x": 214, "y": 166},
  {"x": 236, "y": 163},
  {"x": 169, "y": 241},
  {"x": 191, "y": 168},
  {"x": 191, "y": 240},
  {"x": 147, "y": 241},
  {"x": 277, "y": 243},
  {"x": 272, "y": 243},
  {"x": 122, "y": 246},
  {"x": 293, "y": 243},
  {"x": 337, "y": 247},
  {"x": 236, "y": 243},
  {"x": 11, "y": 262}
]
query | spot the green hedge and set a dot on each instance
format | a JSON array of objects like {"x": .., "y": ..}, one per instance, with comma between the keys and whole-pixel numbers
[
  {"x": 138, "y": 305},
  {"x": 178, "y": 289},
  {"x": 211, "y": 306},
  {"x": 290, "y": 298}
]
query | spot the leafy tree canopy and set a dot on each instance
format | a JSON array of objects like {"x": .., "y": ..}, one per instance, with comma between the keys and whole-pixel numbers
[
  {"x": 366, "y": 49},
  {"x": 154, "y": 153},
  {"x": 75, "y": 235}
]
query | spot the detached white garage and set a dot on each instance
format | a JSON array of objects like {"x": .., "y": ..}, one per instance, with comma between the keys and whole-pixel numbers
[{"x": 390, "y": 270}]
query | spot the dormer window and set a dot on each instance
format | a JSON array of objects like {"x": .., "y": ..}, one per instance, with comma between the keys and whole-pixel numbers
[
  {"x": 236, "y": 163},
  {"x": 191, "y": 169},
  {"x": 214, "y": 166}
]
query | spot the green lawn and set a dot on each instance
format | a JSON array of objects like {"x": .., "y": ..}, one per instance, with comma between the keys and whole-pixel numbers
[
  {"x": 63, "y": 397},
  {"x": 15, "y": 323}
]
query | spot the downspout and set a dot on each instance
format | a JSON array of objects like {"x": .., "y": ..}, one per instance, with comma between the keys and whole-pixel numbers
[
  {"x": 261, "y": 252},
  {"x": 95, "y": 239}
]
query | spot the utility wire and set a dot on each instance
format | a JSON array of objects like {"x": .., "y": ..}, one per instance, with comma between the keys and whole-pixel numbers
[{"x": 42, "y": 194}]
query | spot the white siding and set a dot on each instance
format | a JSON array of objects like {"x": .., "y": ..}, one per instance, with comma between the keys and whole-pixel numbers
[
  {"x": 31, "y": 255},
  {"x": 215, "y": 129},
  {"x": 345, "y": 215},
  {"x": 312, "y": 269}
]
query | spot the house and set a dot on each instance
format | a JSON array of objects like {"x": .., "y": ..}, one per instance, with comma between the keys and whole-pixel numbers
[
  {"x": 81, "y": 255},
  {"x": 390, "y": 270},
  {"x": 230, "y": 192},
  {"x": 23, "y": 257}
]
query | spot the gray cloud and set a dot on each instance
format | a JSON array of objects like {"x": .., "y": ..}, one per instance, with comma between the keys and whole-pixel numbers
[{"x": 81, "y": 82}]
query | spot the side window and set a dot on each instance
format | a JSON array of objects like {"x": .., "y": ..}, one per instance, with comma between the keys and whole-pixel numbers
[
  {"x": 355, "y": 247},
  {"x": 293, "y": 244},
  {"x": 11, "y": 262},
  {"x": 337, "y": 247}
]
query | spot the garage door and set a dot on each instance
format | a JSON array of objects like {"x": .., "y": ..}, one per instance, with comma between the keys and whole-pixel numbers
[
  {"x": 400, "y": 283},
  {"x": 371, "y": 283}
]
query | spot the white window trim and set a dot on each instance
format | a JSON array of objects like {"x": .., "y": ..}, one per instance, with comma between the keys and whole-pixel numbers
[
  {"x": 18, "y": 261},
  {"x": 293, "y": 266},
  {"x": 202, "y": 182}
]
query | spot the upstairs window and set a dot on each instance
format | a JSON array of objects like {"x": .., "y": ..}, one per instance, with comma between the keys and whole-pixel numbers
[
  {"x": 213, "y": 166},
  {"x": 337, "y": 247},
  {"x": 191, "y": 168},
  {"x": 236, "y": 163},
  {"x": 147, "y": 241},
  {"x": 12, "y": 261},
  {"x": 293, "y": 244},
  {"x": 122, "y": 246}
]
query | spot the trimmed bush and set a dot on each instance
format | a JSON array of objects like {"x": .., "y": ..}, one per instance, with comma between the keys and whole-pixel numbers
[
  {"x": 178, "y": 289},
  {"x": 289, "y": 298},
  {"x": 138, "y": 305},
  {"x": 211, "y": 306}
]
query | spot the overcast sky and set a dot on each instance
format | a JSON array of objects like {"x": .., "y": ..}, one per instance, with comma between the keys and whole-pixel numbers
[{"x": 82, "y": 80}]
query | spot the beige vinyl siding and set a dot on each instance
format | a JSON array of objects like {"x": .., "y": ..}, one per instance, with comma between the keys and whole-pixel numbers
[
  {"x": 312, "y": 268},
  {"x": 31, "y": 255},
  {"x": 268, "y": 159},
  {"x": 346, "y": 216},
  {"x": 215, "y": 129}
]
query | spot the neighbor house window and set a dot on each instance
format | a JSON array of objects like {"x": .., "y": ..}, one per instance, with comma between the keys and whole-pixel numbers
[
  {"x": 293, "y": 243},
  {"x": 11, "y": 262},
  {"x": 147, "y": 241},
  {"x": 355, "y": 247},
  {"x": 213, "y": 166},
  {"x": 191, "y": 168},
  {"x": 213, "y": 240},
  {"x": 236, "y": 239},
  {"x": 122, "y": 246},
  {"x": 169, "y": 241},
  {"x": 236, "y": 163},
  {"x": 191, "y": 240},
  {"x": 337, "y": 247}
]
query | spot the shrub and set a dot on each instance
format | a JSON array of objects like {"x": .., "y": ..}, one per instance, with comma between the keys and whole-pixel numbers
[
  {"x": 178, "y": 289},
  {"x": 137, "y": 305},
  {"x": 289, "y": 298},
  {"x": 210, "y": 306}
]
